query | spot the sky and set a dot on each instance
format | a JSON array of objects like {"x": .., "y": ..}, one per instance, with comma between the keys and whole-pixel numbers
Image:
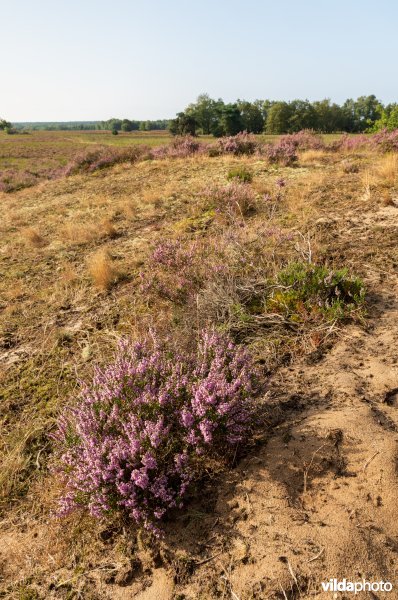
[{"x": 95, "y": 59}]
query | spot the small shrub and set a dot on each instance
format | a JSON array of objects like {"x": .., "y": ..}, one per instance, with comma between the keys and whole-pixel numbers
[
  {"x": 180, "y": 147},
  {"x": 385, "y": 141},
  {"x": 233, "y": 199},
  {"x": 146, "y": 426},
  {"x": 103, "y": 157},
  {"x": 172, "y": 271},
  {"x": 283, "y": 153},
  {"x": 241, "y": 174},
  {"x": 242, "y": 143},
  {"x": 304, "y": 291},
  {"x": 306, "y": 139}
]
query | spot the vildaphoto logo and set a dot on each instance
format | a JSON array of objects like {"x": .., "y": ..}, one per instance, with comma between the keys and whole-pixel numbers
[{"x": 334, "y": 585}]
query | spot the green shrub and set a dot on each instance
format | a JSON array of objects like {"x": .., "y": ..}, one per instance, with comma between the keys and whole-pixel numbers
[
  {"x": 242, "y": 174},
  {"x": 305, "y": 292}
]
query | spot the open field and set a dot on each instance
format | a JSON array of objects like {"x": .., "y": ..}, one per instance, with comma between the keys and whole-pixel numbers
[
  {"x": 168, "y": 245},
  {"x": 25, "y": 160}
]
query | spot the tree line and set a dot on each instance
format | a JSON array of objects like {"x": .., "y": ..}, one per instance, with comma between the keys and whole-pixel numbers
[{"x": 215, "y": 117}]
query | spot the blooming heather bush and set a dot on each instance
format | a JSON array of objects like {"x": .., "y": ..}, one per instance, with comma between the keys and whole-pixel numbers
[
  {"x": 232, "y": 199},
  {"x": 13, "y": 180},
  {"x": 350, "y": 142},
  {"x": 242, "y": 143},
  {"x": 386, "y": 141},
  {"x": 306, "y": 139},
  {"x": 180, "y": 147},
  {"x": 174, "y": 271},
  {"x": 99, "y": 158},
  {"x": 283, "y": 152},
  {"x": 143, "y": 429}
]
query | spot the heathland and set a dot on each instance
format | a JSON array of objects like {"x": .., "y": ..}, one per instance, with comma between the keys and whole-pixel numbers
[{"x": 256, "y": 457}]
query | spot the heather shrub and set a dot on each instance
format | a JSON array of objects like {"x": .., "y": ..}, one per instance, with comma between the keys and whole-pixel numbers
[
  {"x": 241, "y": 143},
  {"x": 350, "y": 142},
  {"x": 233, "y": 199},
  {"x": 100, "y": 158},
  {"x": 180, "y": 147},
  {"x": 174, "y": 271},
  {"x": 386, "y": 141},
  {"x": 283, "y": 152},
  {"x": 241, "y": 174},
  {"x": 306, "y": 139},
  {"x": 143, "y": 430},
  {"x": 13, "y": 180}
]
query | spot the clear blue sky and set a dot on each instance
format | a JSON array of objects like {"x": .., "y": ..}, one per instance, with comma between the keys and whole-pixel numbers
[{"x": 94, "y": 59}]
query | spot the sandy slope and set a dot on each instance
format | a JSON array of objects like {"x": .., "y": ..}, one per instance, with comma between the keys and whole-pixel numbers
[{"x": 318, "y": 500}]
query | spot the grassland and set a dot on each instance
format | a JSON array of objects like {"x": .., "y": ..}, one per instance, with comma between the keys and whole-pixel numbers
[{"x": 73, "y": 257}]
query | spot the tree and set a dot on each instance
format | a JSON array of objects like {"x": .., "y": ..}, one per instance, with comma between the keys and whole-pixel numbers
[
  {"x": 5, "y": 124},
  {"x": 251, "y": 116},
  {"x": 231, "y": 120},
  {"x": 278, "y": 118},
  {"x": 183, "y": 124},
  {"x": 206, "y": 113}
]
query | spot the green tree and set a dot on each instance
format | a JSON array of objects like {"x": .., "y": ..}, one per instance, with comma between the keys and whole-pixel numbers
[
  {"x": 251, "y": 116},
  {"x": 278, "y": 118},
  {"x": 231, "y": 120},
  {"x": 206, "y": 112},
  {"x": 183, "y": 124}
]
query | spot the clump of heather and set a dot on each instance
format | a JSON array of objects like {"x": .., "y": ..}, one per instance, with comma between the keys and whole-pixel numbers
[
  {"x": 386, "y": 141},
  {"x": 12, "y": 180},
  {"x": 102, "y": 157},
  {"x": 351, "y": 142},
  {"x": 174, "y": 270},
  {"x": 306, "y": 139},
  {"x": 284, "y": 152},
  {"x": 180, "y": 147},
  {"x": 242, "y": 143},
  {"x": 233, "y": 199},
  {"x": 142, "y": 430}
]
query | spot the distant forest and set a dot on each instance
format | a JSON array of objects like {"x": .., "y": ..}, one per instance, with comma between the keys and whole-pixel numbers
[
  {"x": 215, "y": 117},
  {"x": 109, "y": 125},
  {"x": 209, "y": 116}
]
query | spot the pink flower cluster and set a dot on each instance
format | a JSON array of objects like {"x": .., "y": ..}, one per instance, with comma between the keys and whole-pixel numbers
[
  {"x": 142, "y": 430},
  {"x": 173, "y": 270},
  {"x": 386, "y": 141},
  {"x": 306, "y": 139},
  {"x": 99, "y": 158},
  {"x": 242, "y": 143},
  {"x": 283, "y": 152},
  {"x": 180, "y": 147}
]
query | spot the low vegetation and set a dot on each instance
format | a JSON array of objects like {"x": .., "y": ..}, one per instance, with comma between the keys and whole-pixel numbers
[{"x": 149, "y": 297}]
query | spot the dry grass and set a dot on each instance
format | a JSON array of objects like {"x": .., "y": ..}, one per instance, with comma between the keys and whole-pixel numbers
[
  {"x": 33, "y": 238},
  {"x": 40, "y": 374},
  {"x": 102, "y": 270},
  {"x": 386, "y": 171},
  {"x": 84, "y": 233},
  {"x": 313, "y": 157}
]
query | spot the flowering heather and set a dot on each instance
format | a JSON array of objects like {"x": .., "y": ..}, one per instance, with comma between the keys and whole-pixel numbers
[
  {"x": 386, "y": 141},
  {"x": 142, "y": 430},
  {"x": 242, "y": 143},
  {"x": 306, "y": 139},
  {"x": 180, "y": 147},
  {"x": 351, "y": 142},
  {"x": 13, "y": 180},
  {"x": 174, "y": 271},
  {"x": 235, "y": 198},
  {"x": 283, "y": 152},
  {"x": 99, "y": 158}
]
